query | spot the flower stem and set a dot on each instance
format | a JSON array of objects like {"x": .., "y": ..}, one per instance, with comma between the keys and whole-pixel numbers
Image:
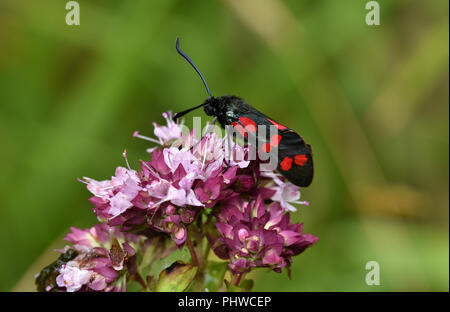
[
  {"x": 237, "y": 279},
  {"x": 208, "y": 248},
  {"x": 138, "y": 278},
  {"x": 192, "y": 250}
]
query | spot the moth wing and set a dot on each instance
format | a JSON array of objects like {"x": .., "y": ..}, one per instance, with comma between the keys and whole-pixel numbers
[
  {"x": 294, "y": 155},
  {"x": 295, "y": 159}
]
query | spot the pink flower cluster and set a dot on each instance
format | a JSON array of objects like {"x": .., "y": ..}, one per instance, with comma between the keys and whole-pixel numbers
[
  {"x": 206, "y": 186},
  {"x": 183, "y": 177},
  {"x": 102, "y": 257},
  {"x": 253, "y": 235}
]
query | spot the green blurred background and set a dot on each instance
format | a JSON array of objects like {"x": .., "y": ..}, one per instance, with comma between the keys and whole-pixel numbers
[{"x": 371, "y": 100}]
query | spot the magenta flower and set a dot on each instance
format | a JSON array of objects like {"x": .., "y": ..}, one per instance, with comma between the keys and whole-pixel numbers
[
  {"x": 102, "y": 257},
  {"x": 253, "y": 235},
  {"x": 186, "y": 190},
  {"x": 115, "y": 195}
]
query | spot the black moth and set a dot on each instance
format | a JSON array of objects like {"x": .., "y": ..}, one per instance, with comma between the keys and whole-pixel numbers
[{"x": 294, "y": 154}]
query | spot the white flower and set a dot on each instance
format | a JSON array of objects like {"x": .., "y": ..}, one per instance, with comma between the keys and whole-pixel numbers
[
  {"x": 285, "y": 192},
  {"x": 72, "y": 277}
]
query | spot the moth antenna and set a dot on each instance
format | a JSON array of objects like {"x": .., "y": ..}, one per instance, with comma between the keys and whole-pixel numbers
[{"x": 177, "y": 45}]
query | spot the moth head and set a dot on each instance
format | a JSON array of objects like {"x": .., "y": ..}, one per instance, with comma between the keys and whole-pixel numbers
[{"x": 211, "y": 106}]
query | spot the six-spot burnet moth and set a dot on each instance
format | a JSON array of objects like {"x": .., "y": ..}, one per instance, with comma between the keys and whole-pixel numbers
[{"x": 294, "y": 155}]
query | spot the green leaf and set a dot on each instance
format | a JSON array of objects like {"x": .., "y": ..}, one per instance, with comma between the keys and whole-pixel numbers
[
  {"x": 176, "y": 278},
  {"x": 245, "y": 286},
  {"x": 133, "y": 286},
  {"x": 162, "y": 263},
  {"x": 214, "y": 275}
]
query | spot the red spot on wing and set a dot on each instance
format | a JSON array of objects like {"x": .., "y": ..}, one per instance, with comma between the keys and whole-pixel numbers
[
  {"x": 275, "y": 140},
  {"x": 301, "y": 159},
  {"x": 280, "y": 127},
  {"x": 249, "y": 124},
  {"x": 286, "y": 163},
  {"x": 239, "y": 128},
  {"x": 266, "y": 148}
]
